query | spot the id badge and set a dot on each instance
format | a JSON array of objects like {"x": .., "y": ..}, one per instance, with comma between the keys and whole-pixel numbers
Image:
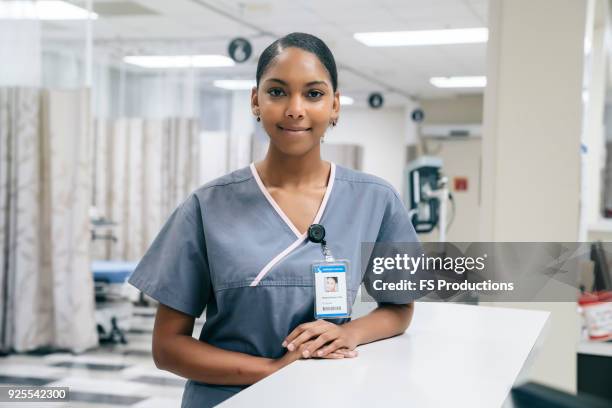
[{"x": 331, "y": 294}]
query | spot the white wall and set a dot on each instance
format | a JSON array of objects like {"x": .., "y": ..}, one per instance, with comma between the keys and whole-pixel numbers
[
  {"x": 20, "y": 53},
  {"x": 382, "y": 135}
]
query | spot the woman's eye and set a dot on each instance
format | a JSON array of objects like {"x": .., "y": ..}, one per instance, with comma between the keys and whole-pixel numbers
[
  {"x": 315, "y": 94},
  {"x": 275, "y": 92}
]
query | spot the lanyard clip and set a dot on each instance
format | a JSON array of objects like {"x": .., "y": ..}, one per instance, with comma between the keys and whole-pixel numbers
[{"x": 316, "y": 234}]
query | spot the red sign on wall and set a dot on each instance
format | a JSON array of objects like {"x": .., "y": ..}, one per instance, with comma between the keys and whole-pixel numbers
[{"x": 460, "y": 183}]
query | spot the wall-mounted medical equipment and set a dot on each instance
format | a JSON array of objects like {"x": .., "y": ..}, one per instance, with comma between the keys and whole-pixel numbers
[{"x": 427, "y": 195}]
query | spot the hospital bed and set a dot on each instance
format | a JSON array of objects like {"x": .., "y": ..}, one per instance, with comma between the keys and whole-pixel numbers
[{"x": 113, "y": 306}]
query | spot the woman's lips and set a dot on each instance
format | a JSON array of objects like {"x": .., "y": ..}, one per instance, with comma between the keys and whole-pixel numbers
[{"x": 293, "y": 131}]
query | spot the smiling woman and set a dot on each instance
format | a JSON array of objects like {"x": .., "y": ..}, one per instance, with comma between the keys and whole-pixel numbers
[
  {"x": 238, "y": 247},
  {"x": 296, "y": 93}
]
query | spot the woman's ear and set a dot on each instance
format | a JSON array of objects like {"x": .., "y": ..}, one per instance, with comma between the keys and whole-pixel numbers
[
  {"x": 336, "y": 106},
  {"x": 254, "y": 102}
]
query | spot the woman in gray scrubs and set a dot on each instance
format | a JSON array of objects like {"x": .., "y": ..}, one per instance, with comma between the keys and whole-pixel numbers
[{"x": 237, "y": 247}]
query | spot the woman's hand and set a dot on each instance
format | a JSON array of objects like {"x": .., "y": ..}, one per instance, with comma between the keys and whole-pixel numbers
[
  {"x": 320, "y": 339},
  {"x": 296, "y": 354}
]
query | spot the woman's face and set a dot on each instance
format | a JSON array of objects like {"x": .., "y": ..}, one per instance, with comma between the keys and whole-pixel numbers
[
  {"x": 330, "y": 285},
  {"x": 295, "y": 101}
]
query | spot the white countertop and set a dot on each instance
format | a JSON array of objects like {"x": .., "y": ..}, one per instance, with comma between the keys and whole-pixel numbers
[{"x": 451, "y": 356}]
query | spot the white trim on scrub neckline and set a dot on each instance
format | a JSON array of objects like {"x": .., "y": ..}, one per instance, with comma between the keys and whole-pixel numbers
[{"x": 299, "y": 236}]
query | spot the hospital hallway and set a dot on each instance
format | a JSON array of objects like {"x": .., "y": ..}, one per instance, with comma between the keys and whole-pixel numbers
[
  {"x": 108, "y": 376},
  {"x": 390, "y": 203}
]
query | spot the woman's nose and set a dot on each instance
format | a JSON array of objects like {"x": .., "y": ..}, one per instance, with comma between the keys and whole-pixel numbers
[{"x": 295, "y": 110}]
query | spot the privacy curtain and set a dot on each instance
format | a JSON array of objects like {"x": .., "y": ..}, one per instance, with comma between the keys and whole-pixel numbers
[
  {"x": 144, "y": 169},
  {"x": 46, "y": 287}
]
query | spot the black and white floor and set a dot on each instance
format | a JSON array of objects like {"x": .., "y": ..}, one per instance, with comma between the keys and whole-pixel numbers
[{"x": 110, "y": 376}]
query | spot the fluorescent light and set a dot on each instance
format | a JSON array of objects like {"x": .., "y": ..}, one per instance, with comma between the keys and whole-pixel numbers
[
  {"x": 346, "y": 100},
  {"x": 159, "y": 61},
  {"x": 235, "y": 84},
  {"x": 179, "y": 61},
  {"x": 459, "y": 82},
  {"x": 61, "y": 10},
  {"x": 43, "y": 10},
  {"x": 427, "y": 37},
  {"x": 212, "y": 61}
]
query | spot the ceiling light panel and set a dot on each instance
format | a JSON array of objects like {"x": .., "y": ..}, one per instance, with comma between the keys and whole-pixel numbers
[
  {"x": 459, "y": 82},
  {"x": 43, "y": 10},
  {"x": 423, "y": 37},
  {"x": 179, "y": 61}
]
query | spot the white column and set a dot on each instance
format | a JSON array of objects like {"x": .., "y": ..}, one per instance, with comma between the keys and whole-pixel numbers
[
  {"x": 531, "y": 146},
  {"x": 594, "y": 98}
]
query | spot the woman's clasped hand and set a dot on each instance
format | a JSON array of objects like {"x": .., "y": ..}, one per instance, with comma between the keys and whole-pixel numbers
[{"x": 321, "y": 339}]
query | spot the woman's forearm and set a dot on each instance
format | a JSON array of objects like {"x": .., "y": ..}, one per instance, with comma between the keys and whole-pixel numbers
[
  {"x": 200, "y": 361},
  {"x": 383, "y": 322}
]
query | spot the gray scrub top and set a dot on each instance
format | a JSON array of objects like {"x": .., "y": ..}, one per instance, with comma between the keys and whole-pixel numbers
[{"x": 229, "y": 249}]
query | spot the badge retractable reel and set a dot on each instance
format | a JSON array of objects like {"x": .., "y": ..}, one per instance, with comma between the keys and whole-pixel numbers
[{"x": 330, "y": 280}]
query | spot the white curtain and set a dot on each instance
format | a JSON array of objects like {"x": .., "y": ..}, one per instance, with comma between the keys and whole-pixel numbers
[
  {"x": 46, "y": 286},
  {"x": 144, "y": 169}
]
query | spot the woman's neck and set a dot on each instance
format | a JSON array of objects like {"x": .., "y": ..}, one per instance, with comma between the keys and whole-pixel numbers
[{"x": 282, "y": 171}]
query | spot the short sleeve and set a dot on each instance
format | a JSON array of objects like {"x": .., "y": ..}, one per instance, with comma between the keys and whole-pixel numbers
[
  {"x": 396, "y": 225},
  {"x": 174, "y": 270},
  {"x": 396, "y": 236}
]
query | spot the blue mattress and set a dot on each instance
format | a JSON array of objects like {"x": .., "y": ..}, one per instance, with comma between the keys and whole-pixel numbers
[{"x": 112, "y": 271}]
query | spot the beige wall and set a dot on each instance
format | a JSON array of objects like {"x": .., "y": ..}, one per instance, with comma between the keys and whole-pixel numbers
[
  {"x": 531, "y": 147},
  {"x": 457, "y": 110}
]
